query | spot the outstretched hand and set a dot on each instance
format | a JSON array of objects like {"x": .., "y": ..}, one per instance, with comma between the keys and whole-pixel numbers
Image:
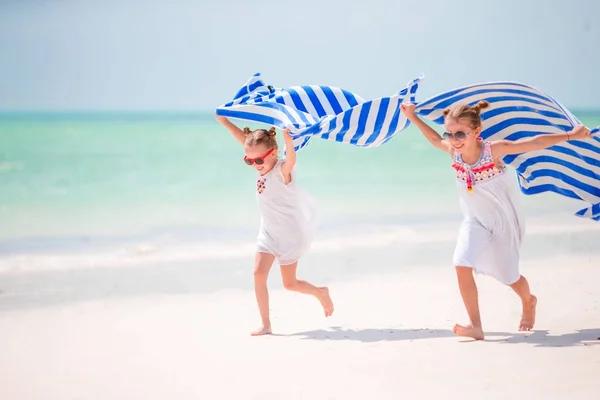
[
  {"x": 286, "y": 134},
  {"x": 579, "y": 132},
  {"x": 408, "y": 109},
  {"x": 220, "y": 118}
]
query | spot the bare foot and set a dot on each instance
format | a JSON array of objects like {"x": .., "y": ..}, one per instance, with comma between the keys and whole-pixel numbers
[
  {"x": 265, "y": 330},
  {"x": 468, "y": 331},
  {"x": 528, "y": 316},
  {"x": 326, "y": 301}
]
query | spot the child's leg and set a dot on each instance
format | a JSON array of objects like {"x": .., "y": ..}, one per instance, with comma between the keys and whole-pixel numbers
[
  {"x": 529, "y": 301},
  {"x": 262, "y": 266},
  {"x": 470, "y": 296},
  {"x": 290, "y": 282}
]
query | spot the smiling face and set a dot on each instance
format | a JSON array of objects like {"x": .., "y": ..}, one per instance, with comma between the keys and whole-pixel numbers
[
  {"x": 463, "y": 126},
  {"x": 261, "y": 149},
  {"x": 260, "y": 157},
  {"x": 460, "y": 134}
]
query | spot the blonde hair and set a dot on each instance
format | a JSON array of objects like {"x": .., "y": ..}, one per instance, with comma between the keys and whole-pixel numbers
[
  {"x": 259, "y": 137},
  {"x": 470, "y": 113}
]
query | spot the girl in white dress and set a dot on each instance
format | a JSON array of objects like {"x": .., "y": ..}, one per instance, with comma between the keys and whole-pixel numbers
[
  {"x": 491, "y": 233},
  {"x": 287, "y": 217}
]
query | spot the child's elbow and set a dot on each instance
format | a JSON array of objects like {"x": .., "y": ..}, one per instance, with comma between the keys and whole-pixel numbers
[
  {"x": 537, "y": 140},
  {"x": 537, "y": 143}
]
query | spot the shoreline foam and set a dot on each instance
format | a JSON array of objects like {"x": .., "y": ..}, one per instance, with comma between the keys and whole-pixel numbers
[{"x": 148, "y": 252}]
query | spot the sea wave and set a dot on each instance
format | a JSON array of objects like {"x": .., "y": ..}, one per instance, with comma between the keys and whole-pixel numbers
[{"x": 151, "y": 253}]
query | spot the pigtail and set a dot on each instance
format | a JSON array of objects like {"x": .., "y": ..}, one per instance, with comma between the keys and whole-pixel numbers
[
  {"x": 481, "y": 105},
  {"x": 261, "y": 136}
]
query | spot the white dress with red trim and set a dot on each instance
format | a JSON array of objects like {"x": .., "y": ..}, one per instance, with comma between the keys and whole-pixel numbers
[
  {"x": 490, "y": 236},
  {"x": 288, "y": 217}
]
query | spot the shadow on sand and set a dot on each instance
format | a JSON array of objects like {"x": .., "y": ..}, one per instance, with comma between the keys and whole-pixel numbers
[{"x": 537, "y": 338}]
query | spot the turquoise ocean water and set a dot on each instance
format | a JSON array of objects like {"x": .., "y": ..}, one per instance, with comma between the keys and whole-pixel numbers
[{"x": 76, "y": 182}]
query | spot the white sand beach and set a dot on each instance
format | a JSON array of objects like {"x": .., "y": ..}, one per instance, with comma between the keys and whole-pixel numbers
[
  {"x": 129, "y": 219},
  {"x": 390, "y": 337}
]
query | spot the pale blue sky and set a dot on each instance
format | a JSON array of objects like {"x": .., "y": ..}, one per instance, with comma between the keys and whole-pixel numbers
[{"x": 194, "y": 54}]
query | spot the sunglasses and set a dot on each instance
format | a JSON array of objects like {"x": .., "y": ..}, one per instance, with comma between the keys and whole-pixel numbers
[
  {"x": 258, "y": 160},
  {"x": 459, "y": 136}
]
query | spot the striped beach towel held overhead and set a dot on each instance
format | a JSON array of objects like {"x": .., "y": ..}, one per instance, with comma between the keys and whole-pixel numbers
[
  {"x": 517, "y": 111},
  {"x": 326, "y": 112},
  {"x": 571, "y": 169}
]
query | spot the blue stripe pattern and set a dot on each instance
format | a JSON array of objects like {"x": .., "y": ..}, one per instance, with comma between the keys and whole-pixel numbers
[
  {"x": 517, "y": 111},
  {"x": 326, "y": 112}
]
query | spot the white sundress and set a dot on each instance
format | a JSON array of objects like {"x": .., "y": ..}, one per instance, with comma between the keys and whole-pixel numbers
[
  {"x": 288, "y": 217},
  {"x": 490, "y": 236}
]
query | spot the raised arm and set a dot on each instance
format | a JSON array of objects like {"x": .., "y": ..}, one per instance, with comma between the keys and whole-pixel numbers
[
  {"x": 503, "y": 148},
  {"x": 237, "y": 133},
  {"x": 290, "y": 157},
  {"x": 430, "y": 134}
]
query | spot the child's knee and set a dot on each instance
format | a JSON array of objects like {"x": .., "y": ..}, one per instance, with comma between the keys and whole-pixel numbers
[
  {"x": 290, "y": 283},
  {"x": 260, "y": 273}
]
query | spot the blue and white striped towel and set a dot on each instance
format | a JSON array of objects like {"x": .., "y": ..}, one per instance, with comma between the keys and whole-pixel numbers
[
  {"x": 517, "y": 111},
  {"x": 324, "y": 111},
  {"x": 570, "y": 169}
]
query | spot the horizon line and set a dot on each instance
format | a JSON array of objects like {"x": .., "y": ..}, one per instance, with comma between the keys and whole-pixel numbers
[
  {"x": 163, "y": 111},
  {"x": 103, "y": 110}
]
